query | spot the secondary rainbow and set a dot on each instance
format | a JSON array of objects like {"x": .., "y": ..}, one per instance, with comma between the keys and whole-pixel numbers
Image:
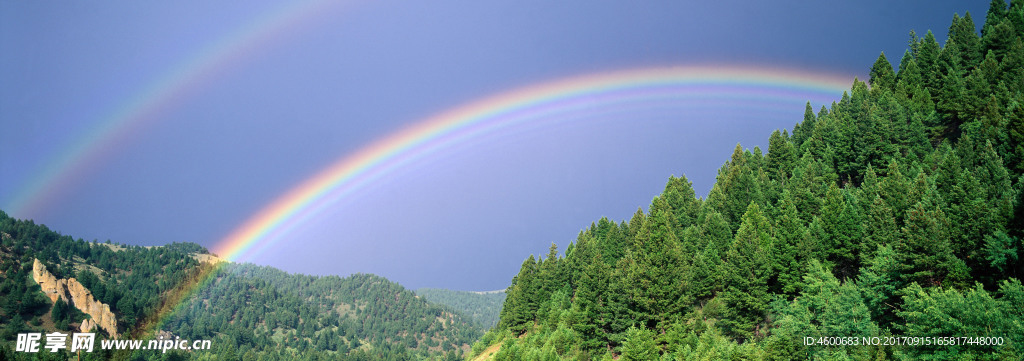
[
  {"x": 528, "y": 106},
  {"x": 148, "y": 104}
]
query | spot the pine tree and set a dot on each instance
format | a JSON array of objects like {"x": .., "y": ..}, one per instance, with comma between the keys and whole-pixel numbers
[
  {"x": 793, "y": 247},
  {"x": 882, "y": 76},
  {"x": 894, "y": 189},
  {"x": 550, "y": 276},
  {"x": 950, "y": 91},
  {"x": 639, "y": 345},
  {"x": 611, "y": 239},
  {"x": 837, "y": 308},
  {"x": 657, "y": 270},
  {"x": 746, "y": 270},
  {"x": 635, "y": 223},
  {"x": 996, "y": 13},
  {"x": 999, "y": 38},
  {"x": 909, "y": 73},
  {"x": 927, "y": 59},
  {"x": 841, "y": 222},
  {"x": 781, "y": 156},
  {"x": 60, "y": 311},
  {"x": 941, "y": 311},
  {"x": 880, "y": 227},
  {"x": 962, "y": 32},
  {"x": 520, "y": 302},
  {"x": 808, "y": 184},
  {"x": 1015, "y": 140},
  {"x": 618, "y": 315},
  {"x": 735, "y": 187},
  {"x": 803, "y": 130},
  {"x": 592, "y": 293},
  {"x": 1001, "y": 253},
  {"x": 682, "y": 199},
  {"x": 716, "y": 236},
  {"x": 925, "y": 248},
  {"x": 880, "y": 279}
]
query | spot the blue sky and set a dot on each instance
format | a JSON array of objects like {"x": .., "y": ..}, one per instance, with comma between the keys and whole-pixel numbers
[{"x": 354, "y": 72}]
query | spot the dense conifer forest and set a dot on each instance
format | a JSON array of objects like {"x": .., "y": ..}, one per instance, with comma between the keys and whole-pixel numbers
[
  {"x": 896, "y": 211},
  {"x": 483, "y": 307}
]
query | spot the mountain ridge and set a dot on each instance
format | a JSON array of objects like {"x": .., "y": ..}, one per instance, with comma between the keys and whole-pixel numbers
[{"x": 358, "y": 317}]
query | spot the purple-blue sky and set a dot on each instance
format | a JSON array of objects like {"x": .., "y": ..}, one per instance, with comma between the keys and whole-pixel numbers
[{"x": 300, "y": 97}]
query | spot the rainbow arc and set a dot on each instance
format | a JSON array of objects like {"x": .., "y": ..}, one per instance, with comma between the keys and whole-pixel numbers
[{"x": 532, "y": 106}]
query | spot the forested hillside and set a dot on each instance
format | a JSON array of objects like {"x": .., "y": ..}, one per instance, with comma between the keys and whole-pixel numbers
[
  {"x": 895, "y": 211},
  {"x": 483, "y": 307},
  {"x": 128, "y": 278},
  {"x": 283, "y": 315},
  {"x": 249, "y": 312}
]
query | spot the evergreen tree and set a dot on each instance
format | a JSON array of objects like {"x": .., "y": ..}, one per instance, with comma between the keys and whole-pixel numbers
[
  {"x": 882, "y": 76},
  {"x": 996, "y": 13},
  {"x": 793, "y": 247},
  {"x": 841, "y": 222},
  {"x": 880, "y": 280},
  {"x": 715, "y": 233},
  {"x": 520, "y": 301},
  {"x": 592, "y": 295},
  {"x": 879, "y": 226},
  {"x": 909, "y": 73},
  {"x": 746, "y": 270},
  {"x": 944, "y": 312},
  {"x": 925, "y": 249},
  {"x": 735, "y": 187},
  {"x": 808, "y": 184},
  {"x": 781, "y": 157},
  {"x": 60, "y": 311},
  {"x": 656, "y": 270},
  {"x": 639, "y": 345},
  {"x": 618, "y": 314},
  {"x": 550, "y": 276},
  {"x": 962, "y": 32},
  {"x": 611, "y": 239},
  {"x": 682, "y": 200},
  {"x": 913, "y": 188},
  {"x": 835, "y": 308},
  {"x": 927, "y": 57},
  {"x": 802, "y": 131}
]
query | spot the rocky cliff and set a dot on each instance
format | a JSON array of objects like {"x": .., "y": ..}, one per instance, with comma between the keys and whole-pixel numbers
[{"x": 77, "y": 295}]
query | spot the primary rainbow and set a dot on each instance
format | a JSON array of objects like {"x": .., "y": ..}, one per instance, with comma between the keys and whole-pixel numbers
[
  {"x": 537, "y": 106},
  {"x": 147, "y": 104},
  {"x": 533, "y": 106}
]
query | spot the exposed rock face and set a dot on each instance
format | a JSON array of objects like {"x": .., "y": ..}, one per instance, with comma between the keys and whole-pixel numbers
[
  {"x": 164, "y": 335},
  {"x": 51, "y": 286},
  {"x": 87, "y": 326},
  {"x": 208, "y": 258},
  {"x": 77, "y": 295}
]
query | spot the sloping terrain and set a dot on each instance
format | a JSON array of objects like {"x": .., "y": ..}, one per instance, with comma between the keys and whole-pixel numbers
[
  {"x": 888, "y": 225},
  {"x": 244, "y": 309}
]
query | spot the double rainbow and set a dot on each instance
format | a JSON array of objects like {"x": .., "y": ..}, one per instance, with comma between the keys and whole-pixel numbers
[
  {"x": 558, "y": 102},
  {"x": 532, "y": 106}
]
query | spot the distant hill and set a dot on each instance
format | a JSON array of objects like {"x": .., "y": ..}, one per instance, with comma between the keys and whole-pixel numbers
[
  {"x": 248, "y": 311},
  {"x": 482, "y": 307}
]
